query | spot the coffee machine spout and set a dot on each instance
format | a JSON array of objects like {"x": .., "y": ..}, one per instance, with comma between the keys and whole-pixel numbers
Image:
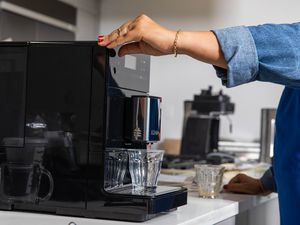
[{"x": 146, "y": 119}]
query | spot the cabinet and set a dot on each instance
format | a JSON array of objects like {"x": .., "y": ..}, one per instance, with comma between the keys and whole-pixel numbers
[
  {"x": 37, "y": 22},
  {"x": 20, "y": 28}
]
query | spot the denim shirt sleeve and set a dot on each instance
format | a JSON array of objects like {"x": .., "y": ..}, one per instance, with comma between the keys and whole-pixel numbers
[
  {"x": 268, "y": 181},
  {"x": 269, "y": 52}
]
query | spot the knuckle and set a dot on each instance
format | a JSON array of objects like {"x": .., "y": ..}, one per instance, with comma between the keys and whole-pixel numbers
[
  {"x": 241, "y": 175},
  {"x": 130, "y": 26},
  {"x": 123, "y": 26},
  {"x": 142, "y": 17},
  {"x": 111, "y": 36},
  {"x": 125, "y": 30}
]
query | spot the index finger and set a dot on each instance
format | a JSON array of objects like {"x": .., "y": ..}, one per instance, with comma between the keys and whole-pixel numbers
[{"x": 114, "y": 35}]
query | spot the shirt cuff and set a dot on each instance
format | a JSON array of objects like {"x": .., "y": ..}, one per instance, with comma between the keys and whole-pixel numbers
[
  {"x": 268, "y": 181},
  {"x": 240, "y": 53}
]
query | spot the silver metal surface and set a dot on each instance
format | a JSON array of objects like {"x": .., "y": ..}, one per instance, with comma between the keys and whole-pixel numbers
[
  {"x": 242, "y": 151},
  {"x": 267, "y": 134},
  {"x": 146, "y": 117}
]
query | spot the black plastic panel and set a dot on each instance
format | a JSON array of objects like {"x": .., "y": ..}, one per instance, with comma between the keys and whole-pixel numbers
[
  {"x": 58, "y": 96},
  {"x": 12, "y": 93}
]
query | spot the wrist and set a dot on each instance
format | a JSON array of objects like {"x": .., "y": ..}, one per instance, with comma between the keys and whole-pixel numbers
[
  {"x": 175, "y": 44},
  {"x": 193, "y": 44},
  {"x": 262, "y": 188},
  {"x": 171, "y": 36},
  {"x": 186, "y": 42},
  {"x": 181, "y": 41}
]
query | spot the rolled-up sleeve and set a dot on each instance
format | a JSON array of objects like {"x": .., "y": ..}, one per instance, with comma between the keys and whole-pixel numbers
[
  {"x": 239, "y": 50},
  {"x": 268, "y": 181},
  {"x": 269, "y": 52}
]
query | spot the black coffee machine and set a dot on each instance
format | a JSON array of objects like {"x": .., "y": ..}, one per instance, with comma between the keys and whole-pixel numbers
[
  {"x": 201, "y": 124},
  {"x": 69, "y": 111}
]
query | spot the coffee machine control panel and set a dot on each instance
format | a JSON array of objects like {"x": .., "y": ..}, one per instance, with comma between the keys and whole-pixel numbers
[{"x": 136, "y": 68}]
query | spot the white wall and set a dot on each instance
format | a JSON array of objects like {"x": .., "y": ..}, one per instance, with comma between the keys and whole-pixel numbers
[
  {"x": 178, "y": 79},
  {"x": 87, "y": 18}
]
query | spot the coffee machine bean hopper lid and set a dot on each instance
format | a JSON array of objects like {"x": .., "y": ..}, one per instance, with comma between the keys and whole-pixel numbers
[{"x": 209, "y": 103}]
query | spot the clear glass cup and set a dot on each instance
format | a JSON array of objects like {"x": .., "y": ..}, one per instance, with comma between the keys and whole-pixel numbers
[
  {"x": 144, "y": 168},
  {"x": 115, "y": 167},
  {"x": 21, "y": 183},
  {"x": 209, "y": 180}
]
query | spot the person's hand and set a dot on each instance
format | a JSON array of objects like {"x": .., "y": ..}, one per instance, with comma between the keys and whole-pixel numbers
[
  {"x": 140, "y": 36},
  {"x": 242, "y": 183}
]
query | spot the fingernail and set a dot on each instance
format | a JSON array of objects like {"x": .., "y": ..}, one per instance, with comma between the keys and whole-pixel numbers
[
  {"x": 225, "y": 186},
  {"x": 100, "y": 36},
  {"x": 100, "y": 40}
]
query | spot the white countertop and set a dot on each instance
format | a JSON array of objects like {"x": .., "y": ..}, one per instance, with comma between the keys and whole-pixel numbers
[{"x": 197, "y": 211}]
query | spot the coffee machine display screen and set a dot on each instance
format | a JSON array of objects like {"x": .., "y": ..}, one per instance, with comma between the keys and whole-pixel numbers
[
  {"x": 130, "y": 72},
  {"x": 130, "y": 62}
]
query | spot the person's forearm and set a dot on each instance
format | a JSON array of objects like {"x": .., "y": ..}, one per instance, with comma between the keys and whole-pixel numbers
[{"x": 203, "y": 46}]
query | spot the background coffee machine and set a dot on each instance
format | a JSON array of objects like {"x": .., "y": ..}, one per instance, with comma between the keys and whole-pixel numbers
[
  {"x": 70, "y": 112},
  {"x": 201, "y": 123}
]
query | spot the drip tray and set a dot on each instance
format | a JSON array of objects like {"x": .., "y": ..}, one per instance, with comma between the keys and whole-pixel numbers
[{"x": 128, "y": 190}]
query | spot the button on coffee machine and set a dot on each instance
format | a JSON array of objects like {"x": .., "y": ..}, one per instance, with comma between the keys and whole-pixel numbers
[{"x": 73, "y": 111}]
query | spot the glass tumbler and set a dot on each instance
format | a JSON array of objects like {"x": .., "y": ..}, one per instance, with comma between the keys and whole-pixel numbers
[
  {"x": 209, "y": 180},
  {"x": 115, "y": 167},
  {"x": 144, "y": 168}
]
